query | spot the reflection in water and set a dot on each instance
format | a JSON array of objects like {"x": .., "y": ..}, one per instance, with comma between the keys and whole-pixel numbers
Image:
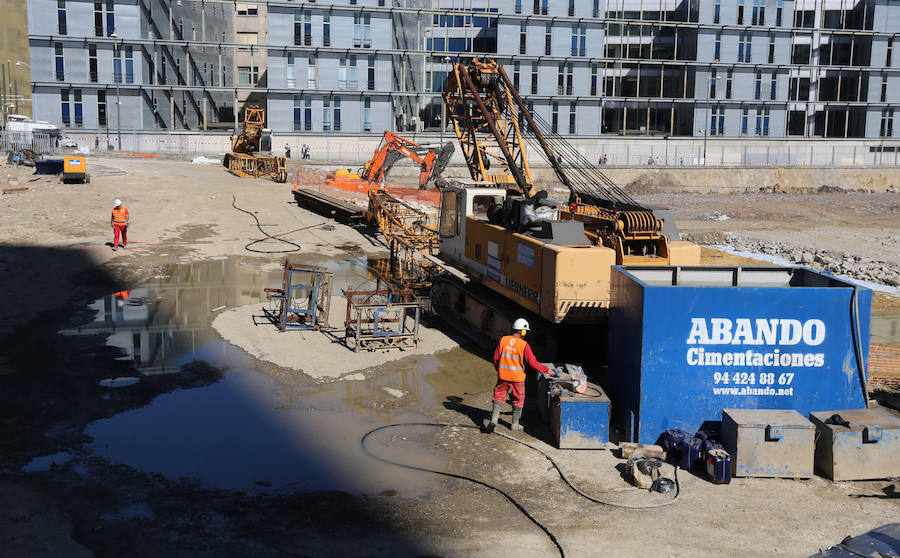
[{"x": 249, "y": 431}]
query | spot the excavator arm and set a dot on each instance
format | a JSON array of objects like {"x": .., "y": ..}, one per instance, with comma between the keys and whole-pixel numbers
[{"x": 393, "y": 147}]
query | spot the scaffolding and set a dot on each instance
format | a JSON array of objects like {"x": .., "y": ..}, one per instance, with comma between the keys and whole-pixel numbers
[{"x": 382, "y": 319}]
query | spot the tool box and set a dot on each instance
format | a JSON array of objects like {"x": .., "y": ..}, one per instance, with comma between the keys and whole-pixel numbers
[
  {"x": 580, "y": 420},
  {"x": 768, "y": 442},
  {"x": 857, "y": 444}
]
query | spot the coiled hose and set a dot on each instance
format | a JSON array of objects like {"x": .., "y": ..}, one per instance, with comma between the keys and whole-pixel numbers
[{"x": 506, "y": 495}]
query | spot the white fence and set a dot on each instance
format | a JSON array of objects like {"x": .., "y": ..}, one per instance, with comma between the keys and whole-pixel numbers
[
  {"x": 42, "y": 144},
  {"x": 617, "y": 151}
]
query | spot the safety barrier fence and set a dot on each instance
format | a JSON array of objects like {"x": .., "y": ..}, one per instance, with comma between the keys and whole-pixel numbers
[
  {"x": 611, "y": 151},
  {"x": 42, "y": 144}
]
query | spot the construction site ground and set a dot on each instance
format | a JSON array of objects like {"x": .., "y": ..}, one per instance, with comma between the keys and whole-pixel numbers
[{"x": 237, "y": 454}]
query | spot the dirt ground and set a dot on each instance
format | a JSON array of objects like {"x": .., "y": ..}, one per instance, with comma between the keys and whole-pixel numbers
[{"x": 55, "y": 259}]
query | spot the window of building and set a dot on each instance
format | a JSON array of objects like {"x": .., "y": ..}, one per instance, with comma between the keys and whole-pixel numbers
[
  {"x": 740, "y": 12},
  {"x": 347, "y": 73},
  {"x": 337, "y": 114},
  {"x": 370, "y": 78},
  {"x": 245, "y": 9},
  {"x": 177, "y": 71},
  {"x": 717, "y": 51},
  {"x": 61, "y": 16},
  {"x": 326, "y": 114},
  {"x": 101, "y": 108},
  {"x": 579, "y": 39},
  {"x": 713, "y": 74},
  {"x": 745, "y": 116},
  {"x": 311, "y": 72},
  {"x": 66, "y": 107},
  {"x": 298, "y": 112},
  {"x": 516, "y": 68},
  {"x": 534, "y": 79},
  {"x": 163, "y": 79},
  {"x": 798, "y": 89},
  {"x": 104, "y": 13},
  {"x": 757, "y": 86},
  {"x": 93, "y": 74},
  {"x": 804, "y": 18},
  {"x": 247, "y": 37},
  {"x": 548, "y": 30},
  {"x": 291, "y": 75},
  {"x": 883, "y": 88},
  {"x": 571, "y": 8},
  {"x": 79, "y": 110},
  {"x": 128, "y": 52},
  {"x": 307, "y": 114},
  {"x": 717, "y": 11},
  {"x": 762, "y": 121},
  {"x": 554, "y": 118},
  {"x": 367, "y": 114},
  {"x": 773, "y": 86},
  {"x": 60, "y": 63},
  {"x": 596, "y": 10},
  {"x": 326, "y": 29},
  {"x": 571, "y": 118},
  {"x": 889, "y": 52},
  {"x": 544, "y": 7},
  {"x": 593, "y": 79},
  {"x": 728, "y": 79},
  {"x": 302, "y": 27},
  {"x": 759, "y": 12},
  {"x": 523, "y": 33},
  {"x": 744, "y": 47},
  {"x": 362, "y": 30},
  {"x": 117, "y": 64},
  {"x": 717, "y": 121},
  {"x": 887, "y": 123},
  {"x": 536, "y": 7},
  {"x": 771, "y": 49},
  {"x": 248, "y": 75},
  {"x": 796, "y": 123},
  {"x": 800, "y": 54},
  {"x": 518, "y": 6},
  {"x": 778, "y": 13}
]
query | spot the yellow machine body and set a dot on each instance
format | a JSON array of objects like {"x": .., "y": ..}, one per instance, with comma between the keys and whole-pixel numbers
[
  {"x": 560, "y": 283},
  {"x": 74, "y": 169}
]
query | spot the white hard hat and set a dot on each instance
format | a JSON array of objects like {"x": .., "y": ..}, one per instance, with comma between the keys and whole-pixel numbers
[
  {"x": 521, "y": 324},
  {"x": 117, "y": 203}
]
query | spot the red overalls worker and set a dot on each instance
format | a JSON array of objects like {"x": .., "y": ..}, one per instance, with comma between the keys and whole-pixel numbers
[
  {"x": 510, "y": 359},
  {"x": 119, "y": 222}
]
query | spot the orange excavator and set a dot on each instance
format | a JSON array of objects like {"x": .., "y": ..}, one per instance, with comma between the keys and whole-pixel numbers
[{"x": 392, "y": 147}]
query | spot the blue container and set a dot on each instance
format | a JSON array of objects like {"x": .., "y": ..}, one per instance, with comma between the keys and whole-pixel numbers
[
  {"x": 580, "y": 420},
  {"x": 718, "y": 466},
  {"x": 691, "y": 453},
  {"x": 686, "y": 342}
]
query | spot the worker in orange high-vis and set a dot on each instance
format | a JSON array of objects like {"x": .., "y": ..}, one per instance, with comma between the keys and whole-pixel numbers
[
  {"x": 510, "y": 359},
  {"x": 119, "y": 222}
]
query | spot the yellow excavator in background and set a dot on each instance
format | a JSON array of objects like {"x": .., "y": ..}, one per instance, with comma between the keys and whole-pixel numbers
[{"x": 245, "y": 160}]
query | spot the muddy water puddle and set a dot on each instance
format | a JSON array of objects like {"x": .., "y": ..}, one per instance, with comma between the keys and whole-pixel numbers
[{"x": 249, "y": 430}]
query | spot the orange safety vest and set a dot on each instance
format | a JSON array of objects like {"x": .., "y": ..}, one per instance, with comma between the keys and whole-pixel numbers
[
  {"x": 120, "y": 216},
  {"x": 511, "y": 366}
]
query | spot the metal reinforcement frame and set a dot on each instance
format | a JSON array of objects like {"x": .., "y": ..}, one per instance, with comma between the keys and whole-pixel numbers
[
  {"x": 258, "y": 166},
  {"x": 382, "y": 319},
  {"x": 304, "y": 299}
]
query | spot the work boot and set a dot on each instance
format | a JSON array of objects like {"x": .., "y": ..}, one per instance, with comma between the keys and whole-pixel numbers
[
  {"x": 516, "y": 417},
  {"x": 495, "y": 417}
]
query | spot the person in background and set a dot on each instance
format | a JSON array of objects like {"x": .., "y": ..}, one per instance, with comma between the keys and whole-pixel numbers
[
  {"x": 512, "y": 355},
  {"x": 119, "y": 223},
  {"x": 287, "y": 151}
]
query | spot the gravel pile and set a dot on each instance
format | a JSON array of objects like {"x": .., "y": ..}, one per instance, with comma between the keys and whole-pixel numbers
[{"x": 838, "y": 263}]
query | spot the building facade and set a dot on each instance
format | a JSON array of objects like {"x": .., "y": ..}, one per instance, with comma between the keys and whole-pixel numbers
[
  {"x": 724, "y": 68},
  {"x": 132, "y": 64}
]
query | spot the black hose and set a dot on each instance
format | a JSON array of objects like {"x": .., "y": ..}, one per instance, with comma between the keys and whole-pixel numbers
[
  {"x": 512, "y": 500},
  {"x": 296, "y": 246},
  {"x": 857, "y": 344}
]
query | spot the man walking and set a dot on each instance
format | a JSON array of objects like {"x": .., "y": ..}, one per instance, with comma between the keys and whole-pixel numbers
[
  {"x": 510, "y": 358},
  {"x": 119, "y": 223},
  {"x": 287, "y": 151}
]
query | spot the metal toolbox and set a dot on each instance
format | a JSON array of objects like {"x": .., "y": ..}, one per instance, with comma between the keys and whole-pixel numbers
[
  {"x": 867, "y": 449},
  {"x": 580, "y": 420},
  {"x": 769, "y": 442}
]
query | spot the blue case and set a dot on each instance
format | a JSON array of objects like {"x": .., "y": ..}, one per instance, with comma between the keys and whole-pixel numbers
[
  {"x": 691, "y": 453},
  {"x": 718, "y": 466}
]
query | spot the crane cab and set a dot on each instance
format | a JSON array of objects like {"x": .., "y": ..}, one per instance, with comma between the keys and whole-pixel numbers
[{"x": 550, "y": 268}]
